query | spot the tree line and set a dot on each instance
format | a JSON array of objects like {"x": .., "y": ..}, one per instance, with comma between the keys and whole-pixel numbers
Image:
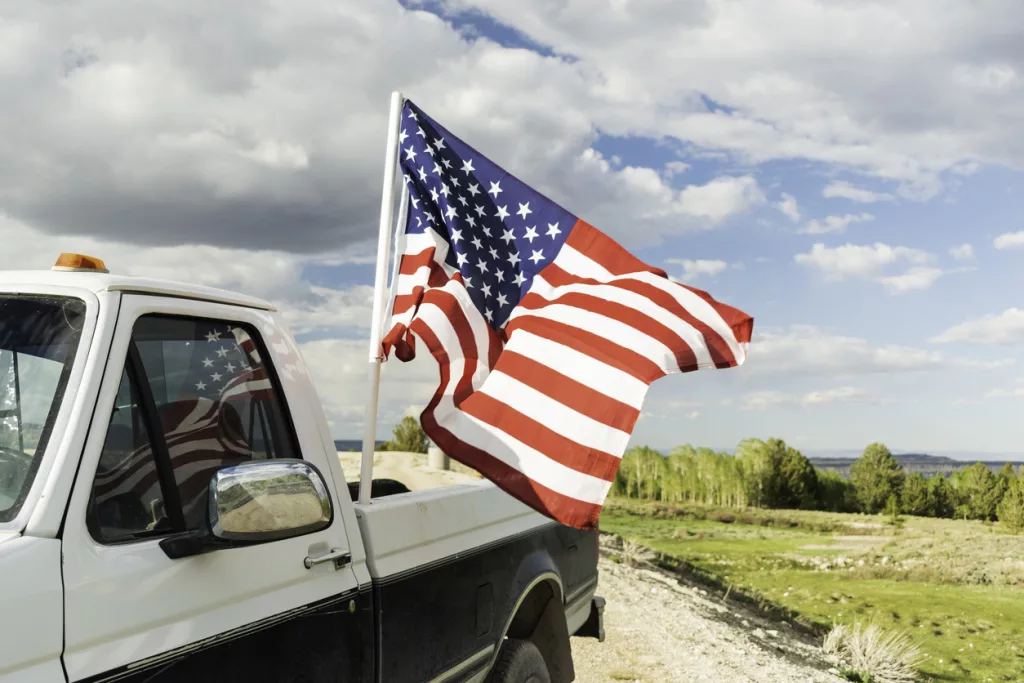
[{"x": 772, "y": 474}]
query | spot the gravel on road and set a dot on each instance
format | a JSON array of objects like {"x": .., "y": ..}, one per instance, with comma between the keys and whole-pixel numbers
[{"x": 659, "y": 630}]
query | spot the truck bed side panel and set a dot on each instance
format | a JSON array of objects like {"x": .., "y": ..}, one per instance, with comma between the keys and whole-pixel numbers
[{"x": 449, "y": 567}]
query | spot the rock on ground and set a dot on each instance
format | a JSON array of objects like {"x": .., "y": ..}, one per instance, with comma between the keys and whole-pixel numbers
[{"x": 657, "y": 629}]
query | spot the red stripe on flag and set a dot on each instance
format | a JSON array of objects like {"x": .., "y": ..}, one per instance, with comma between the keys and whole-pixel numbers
[
  {"x": 741, "y": 324},
  {"x": 564, "y": 509},
  {"x": 540, "y": 437},
  {"x": 609, "y": 254},
  {"x": 435, "y": 278},
  {"x": 591, "y": 344},
  {"x": 407, "y": 302},
  {"x": 641, "y": 322},
  {"x": 568, "y": 391},
  {"x": 412, "y": 262},
  {"x": 452, "y": 310},
  {"x": 588, "y": 240},
  {"x": 719, "y": 349}
]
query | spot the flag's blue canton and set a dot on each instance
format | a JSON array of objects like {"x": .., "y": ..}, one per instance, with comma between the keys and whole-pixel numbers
[{"x": 501, "y": 233}]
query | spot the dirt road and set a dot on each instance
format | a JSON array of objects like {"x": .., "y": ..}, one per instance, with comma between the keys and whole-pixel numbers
[{"x": 660, "y": 631}]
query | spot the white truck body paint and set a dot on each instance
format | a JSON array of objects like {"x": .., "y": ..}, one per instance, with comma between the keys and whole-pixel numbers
[{"x": 30, "y": 599}]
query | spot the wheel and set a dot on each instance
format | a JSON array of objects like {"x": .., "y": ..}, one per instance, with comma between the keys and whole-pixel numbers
[{"x": 519, "y": 662}]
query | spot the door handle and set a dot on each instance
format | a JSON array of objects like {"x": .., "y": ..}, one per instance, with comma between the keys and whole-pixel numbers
[{"x": 339, "y": 557}]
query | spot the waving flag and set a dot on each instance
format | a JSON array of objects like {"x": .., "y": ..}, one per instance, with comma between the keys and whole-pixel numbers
[{"x": 546, "y": 331}]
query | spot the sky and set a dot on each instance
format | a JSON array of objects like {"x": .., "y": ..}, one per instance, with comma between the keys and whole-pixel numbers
[{"x": 847, "y": 172}]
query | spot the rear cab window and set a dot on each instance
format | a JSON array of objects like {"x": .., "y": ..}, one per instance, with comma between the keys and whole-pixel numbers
[{"x": 195, "y": 395}]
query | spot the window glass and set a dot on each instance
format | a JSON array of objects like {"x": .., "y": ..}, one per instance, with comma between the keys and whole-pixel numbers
[
  {"x": 38, "y": 339},
  {"x": 212, "y": 401},
  {"x": 127, "y": 498}
]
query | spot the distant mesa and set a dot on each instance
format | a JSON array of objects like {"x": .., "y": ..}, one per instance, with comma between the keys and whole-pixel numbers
[{"x": 916, "y": 463}]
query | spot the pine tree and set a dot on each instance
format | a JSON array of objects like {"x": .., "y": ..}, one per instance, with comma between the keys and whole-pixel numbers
[
  {"x": 940, "y": 497},
  {"x": 409, "y": 436},
  {"x": 979, "y": 491},
  {"x": 1011, "y": 508},
  {"x": 799, "y": 487},
  {"x": 915, "y": 499},
  {"x": 877, "y": 475}
]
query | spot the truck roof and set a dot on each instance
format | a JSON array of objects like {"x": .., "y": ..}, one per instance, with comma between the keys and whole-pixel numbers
[{"x": 96, "y": 281}]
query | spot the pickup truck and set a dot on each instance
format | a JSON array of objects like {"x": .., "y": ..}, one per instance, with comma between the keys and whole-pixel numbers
[{"x": 173, "y": 508}]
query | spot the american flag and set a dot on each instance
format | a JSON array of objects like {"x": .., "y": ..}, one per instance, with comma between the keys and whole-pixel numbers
[{"x": 547, "y": 332}]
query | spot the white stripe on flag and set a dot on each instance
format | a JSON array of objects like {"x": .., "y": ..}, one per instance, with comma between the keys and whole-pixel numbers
[
  {"x": 407, "y": 283},
  {"x": 556, "y": 416},
  {"x": 611, "y": 329},
  {"x": 432, "y": 314},
  {"x": 693, "y": 338},
  {"x": 577, "y": 365},
  {"x": 532, "y": 463},
  {"x": 572, "y": 261}
]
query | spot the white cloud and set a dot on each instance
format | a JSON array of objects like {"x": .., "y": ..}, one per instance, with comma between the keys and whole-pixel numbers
[
  {"x": 840, "y": 188},
  {"x": 850, "y": 260},
  {"x": 962, "y": 252},
  {"x": 270, "y": 274},
  {"x": 857, "y": 85},
  {"x": 1004, "y": 329},
  {"x": 692, "y": 269},
  {"x": 693, "y": 415},
  {"x": 340, "y": 379},
  {"x": 721, "y": 198},
  {"x": 765, "y": 400},
  {"x": 789, "y": 207},
  {"x": 1009, "y": 240},
  {"x": 639, "y": 207},
  {"x": 831, "y": 224},
  {"x": 255, "y": 138},
  {"x": 975, "y": 364},
  {"x": 917, "y": 279},
  {"x": 1016, "y": 392},
  {"x": 807, "y": 350},
  {"x": 674, "y": 168}
]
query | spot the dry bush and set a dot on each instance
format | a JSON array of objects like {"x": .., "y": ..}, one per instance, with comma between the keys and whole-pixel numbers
[
  {"x": 874, "y": 653},
  {"x": 634, "y": 554}
]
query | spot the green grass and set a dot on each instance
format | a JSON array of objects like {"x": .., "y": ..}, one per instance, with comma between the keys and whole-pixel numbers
[{"x": 956, "y": 587}]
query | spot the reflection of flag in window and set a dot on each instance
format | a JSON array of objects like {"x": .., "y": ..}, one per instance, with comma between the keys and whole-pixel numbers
[
  {"x": 207, "y": 427},
  {"x": 547, "y": 332},
  {"x": 226, "y": 363}
]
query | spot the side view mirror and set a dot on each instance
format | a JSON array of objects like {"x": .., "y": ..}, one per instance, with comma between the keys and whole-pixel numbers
[{"x": 256, "y": 502}]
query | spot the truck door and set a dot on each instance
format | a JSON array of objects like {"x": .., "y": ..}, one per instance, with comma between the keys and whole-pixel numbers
[{"x": 191, "y": 387}]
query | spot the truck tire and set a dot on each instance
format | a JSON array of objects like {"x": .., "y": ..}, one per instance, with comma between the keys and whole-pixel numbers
[{"x": 519, "y": 662}]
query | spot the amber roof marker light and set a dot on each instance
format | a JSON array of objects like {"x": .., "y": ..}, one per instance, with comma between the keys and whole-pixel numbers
[{"x": 79, "y": 263}]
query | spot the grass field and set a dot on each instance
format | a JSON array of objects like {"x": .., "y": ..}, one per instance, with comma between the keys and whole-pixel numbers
[{"x": 956, "y": 587}]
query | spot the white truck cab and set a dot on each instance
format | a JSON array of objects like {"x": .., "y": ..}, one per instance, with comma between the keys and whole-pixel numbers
[{"x": 172, "y": 508}]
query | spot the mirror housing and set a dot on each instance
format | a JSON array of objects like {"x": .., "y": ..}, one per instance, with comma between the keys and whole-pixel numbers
[{"x": 256, "y": 502}]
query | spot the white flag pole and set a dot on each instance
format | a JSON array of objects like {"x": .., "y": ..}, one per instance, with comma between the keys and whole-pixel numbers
[{"x": 387, "y": 206}]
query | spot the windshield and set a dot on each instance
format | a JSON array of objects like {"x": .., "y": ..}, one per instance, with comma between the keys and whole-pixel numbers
[{"x": 38, "y": 339}]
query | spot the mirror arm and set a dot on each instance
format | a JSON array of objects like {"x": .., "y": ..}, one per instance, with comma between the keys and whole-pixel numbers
[{"x": 187, "y": 544}]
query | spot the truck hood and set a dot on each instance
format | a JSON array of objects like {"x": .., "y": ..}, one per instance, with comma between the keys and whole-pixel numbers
[{"x": 8, "y": 535}]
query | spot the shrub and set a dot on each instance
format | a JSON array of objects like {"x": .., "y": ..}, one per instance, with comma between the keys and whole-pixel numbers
[{"x": 874, "y": 653}]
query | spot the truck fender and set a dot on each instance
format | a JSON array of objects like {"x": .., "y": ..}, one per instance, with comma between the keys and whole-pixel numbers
[{"x": 538, "y": 615}]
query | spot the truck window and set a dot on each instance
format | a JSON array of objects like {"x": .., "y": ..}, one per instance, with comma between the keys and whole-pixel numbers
[
  {"x": 196, "y": 395},
  {"x": 39, "y": 336}
]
